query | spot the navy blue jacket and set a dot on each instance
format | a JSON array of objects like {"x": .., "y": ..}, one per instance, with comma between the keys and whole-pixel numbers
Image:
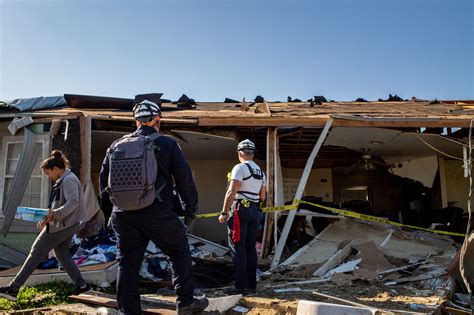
[{"x": 171, "y": 162}]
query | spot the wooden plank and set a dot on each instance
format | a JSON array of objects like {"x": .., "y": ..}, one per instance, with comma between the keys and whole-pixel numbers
[
  {"x": 110, "y": 301},
  {"x": 335, "y": 260},
  {"x": 452, "y": 310},
  {"x": 327, "y": 296},
  {"x": 299, "y": 193},
  {"x": 269, "y": 219},
  {"x": 279, "y": 195},
  {"x": 85, "y": 129},
  {"x": 292, "y": 283},
  {"x": 319, "y": 121},
  {"x": 403, "y": 267},
  {"x": 426, "y": 276}
]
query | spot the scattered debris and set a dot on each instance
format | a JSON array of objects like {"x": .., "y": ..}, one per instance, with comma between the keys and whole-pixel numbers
[
  {"x": 414, "y": 99},
  {"x": 290, "y": 100},
  {"x": 346, "y": 267},
  {"x": 392, "y": 98},
  {"x": 287, "y": 290},
  {"x": 334, "y": 260},
  {"x": 230, "y": 100},
  {"x": 240, "y": 309},
  {"x": 350, "y": 263},
  {"x": 185, "y": 102},
  {"x": 320, "y": 98},
  {"x": 259, "y": 99}
]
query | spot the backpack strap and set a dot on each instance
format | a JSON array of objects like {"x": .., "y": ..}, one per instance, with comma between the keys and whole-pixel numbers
[
  {"x": 250, "y": 194},
  {"x": 154, "y": 136},
  {"x": 251, "y": 172}
]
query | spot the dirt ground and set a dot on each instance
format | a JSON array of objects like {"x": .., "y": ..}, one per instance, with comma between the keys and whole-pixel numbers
[{"x": 398, "y": 297}]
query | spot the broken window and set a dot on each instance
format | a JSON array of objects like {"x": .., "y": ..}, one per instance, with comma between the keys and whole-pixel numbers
[{"x": 37, "y": 191}]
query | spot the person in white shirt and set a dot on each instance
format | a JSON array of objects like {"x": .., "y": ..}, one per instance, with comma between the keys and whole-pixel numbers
[{"x": 246, "y": 190}]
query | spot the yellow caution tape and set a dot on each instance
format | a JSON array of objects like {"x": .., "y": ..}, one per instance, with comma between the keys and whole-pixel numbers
[
  {"x": 366, "y": 217},
  {"x": 342, "y": 212},
  {"x": 208, "y": 215},
  {"x": 281, "y": 208},
  {"x": 266, "y": 209}
]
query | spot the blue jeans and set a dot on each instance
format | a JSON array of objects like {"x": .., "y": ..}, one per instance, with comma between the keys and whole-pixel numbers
[{"x": 243, "y": 252}]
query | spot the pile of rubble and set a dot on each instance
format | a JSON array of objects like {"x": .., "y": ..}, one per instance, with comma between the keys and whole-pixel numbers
[{"x": 366, "y": 264}]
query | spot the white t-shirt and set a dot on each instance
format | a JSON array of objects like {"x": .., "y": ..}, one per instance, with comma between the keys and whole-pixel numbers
[{"x": 251, "y": 185}]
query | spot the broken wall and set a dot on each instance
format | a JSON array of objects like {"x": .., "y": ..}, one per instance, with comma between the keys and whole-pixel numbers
[
  {"x": 387, "y": 193},
  {"x": 320, "y": 183}
]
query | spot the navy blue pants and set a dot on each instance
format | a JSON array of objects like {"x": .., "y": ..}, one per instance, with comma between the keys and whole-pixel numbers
[
  {"x": 134, "y": 230},
  {"x": 244, "y": 254}
]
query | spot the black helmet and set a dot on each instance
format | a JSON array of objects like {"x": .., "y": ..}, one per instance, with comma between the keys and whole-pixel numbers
[
  {"x": 146, "y": 111},
  {"x": 246, "y": 145}
]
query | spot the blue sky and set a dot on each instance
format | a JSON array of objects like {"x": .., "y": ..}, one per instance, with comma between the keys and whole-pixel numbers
[{"x": 214, "y": 49}]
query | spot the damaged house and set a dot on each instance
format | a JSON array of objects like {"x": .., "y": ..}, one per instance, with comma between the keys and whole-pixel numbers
[{"x": 404, "y": 161}]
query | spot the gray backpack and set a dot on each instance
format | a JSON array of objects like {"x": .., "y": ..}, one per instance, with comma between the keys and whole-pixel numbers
[{"x": 132, "y": 171}]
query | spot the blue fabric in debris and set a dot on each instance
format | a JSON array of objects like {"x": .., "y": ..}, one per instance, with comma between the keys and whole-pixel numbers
[
  {"x": 48, "y": 263},
  {"x": 156, "y": 269}
]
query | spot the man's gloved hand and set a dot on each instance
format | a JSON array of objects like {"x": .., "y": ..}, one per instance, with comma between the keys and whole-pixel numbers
[
  {"x": 188, "y": 220},
  {"x": 189, "y": 215}
]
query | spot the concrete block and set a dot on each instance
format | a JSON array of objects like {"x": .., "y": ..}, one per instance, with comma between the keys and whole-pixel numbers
[{"x": 319, "y": 308}]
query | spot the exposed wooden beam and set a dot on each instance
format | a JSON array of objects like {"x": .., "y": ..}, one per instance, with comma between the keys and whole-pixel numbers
[
  {"x": 85, "y": 129},
  {"x": 319, "y": 121},
  {"x": 267, "y": 231}
]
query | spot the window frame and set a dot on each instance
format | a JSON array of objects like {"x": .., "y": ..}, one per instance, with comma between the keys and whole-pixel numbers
[{"x": 45, "y": 141}]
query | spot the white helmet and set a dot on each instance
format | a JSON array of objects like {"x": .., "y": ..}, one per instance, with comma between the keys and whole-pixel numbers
[
  {"x": 246, "y": 145},
  {"x": 146, "y": 111}
]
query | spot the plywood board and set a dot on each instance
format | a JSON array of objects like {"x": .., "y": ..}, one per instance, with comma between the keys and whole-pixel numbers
[{"x": 109, "y": 300}]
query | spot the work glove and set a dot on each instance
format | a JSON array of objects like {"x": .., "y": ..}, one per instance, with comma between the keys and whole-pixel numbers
[
  {"x": 188, "y": 220},
  {"x": 189, "y": 215}
]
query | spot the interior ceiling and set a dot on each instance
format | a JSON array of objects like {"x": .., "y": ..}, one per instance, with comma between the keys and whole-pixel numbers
[
  {"x": 390, "y": 143},
  {"x": 203, "y": 146},
  {"x": 343, "y": 146},
  {"x": 295, "y": 146}
]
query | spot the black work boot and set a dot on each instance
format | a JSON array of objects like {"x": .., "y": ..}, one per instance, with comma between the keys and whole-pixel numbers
[
  {"x": 81, "y": 289},
  {"x": 234, "y": 291},
  {"x": 197, "y": 305}
]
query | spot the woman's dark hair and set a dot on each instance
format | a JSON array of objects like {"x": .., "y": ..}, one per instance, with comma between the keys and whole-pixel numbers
[{"x": 57, "y": 159}]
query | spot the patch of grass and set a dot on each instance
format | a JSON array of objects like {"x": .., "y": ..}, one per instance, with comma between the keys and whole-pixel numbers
[
  {"x": 41, "y": 295},
  {"x": 50, "y": 294}
]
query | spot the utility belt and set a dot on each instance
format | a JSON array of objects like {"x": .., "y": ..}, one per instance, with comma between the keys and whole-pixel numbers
[{"x": 246, "y": 203}]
